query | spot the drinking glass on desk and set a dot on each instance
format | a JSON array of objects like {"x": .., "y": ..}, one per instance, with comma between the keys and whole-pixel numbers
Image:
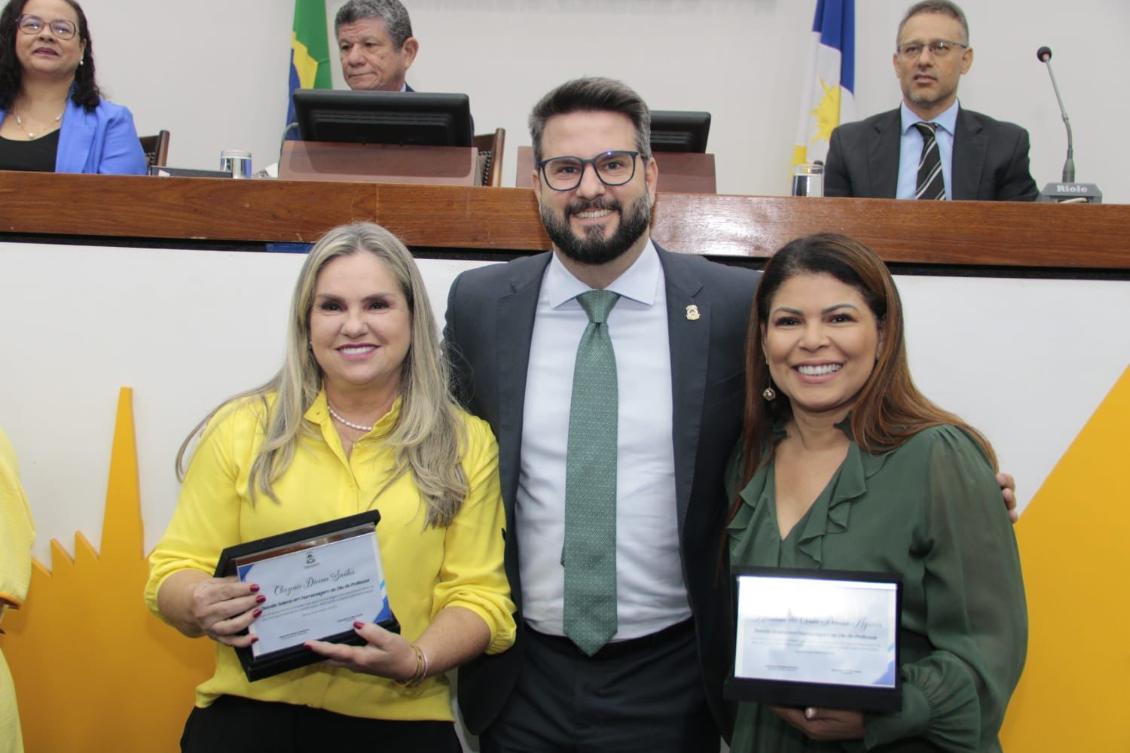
[
  {"x": 808, "y": 179},
  {"x": 236, "y": 162}
]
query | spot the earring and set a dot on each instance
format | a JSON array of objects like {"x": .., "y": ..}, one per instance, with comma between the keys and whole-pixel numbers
[{"x": 769, "y": 394}]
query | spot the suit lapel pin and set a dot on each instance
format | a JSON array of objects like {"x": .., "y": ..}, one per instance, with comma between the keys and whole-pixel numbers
[{"x": 692, "y": 313}]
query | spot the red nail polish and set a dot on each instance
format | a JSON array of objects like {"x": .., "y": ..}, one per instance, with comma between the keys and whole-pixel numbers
[
  {"x": 255, "y": 639},
  {"x": 257, "y": 612},
  {"x": 254, "y": 587},
  {"x": 260, "y": 599},
  {"x": 358, "y": 625}
]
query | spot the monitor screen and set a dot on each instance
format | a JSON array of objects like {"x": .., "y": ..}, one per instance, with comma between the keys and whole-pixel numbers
[
  {"x": 679, "y": 131},
  {"x": 377, "y": 117}
]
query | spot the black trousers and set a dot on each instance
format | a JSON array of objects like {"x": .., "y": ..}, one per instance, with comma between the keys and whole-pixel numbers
[
  {"x": 241, "y": 725},
  {"x": 643, "y": 695}
]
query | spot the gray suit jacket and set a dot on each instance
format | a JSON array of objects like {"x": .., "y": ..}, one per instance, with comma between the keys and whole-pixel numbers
[
  {"x": 990, "y": 159},
  {"x": 490, "y": 319}
]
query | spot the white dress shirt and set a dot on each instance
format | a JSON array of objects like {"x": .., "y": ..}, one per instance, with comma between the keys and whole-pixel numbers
[{"x": 651, "y": 592}]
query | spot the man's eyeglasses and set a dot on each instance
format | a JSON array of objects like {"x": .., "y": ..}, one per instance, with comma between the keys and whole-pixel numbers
[
  {"x": 614, "y": 168},
  {"x": 60, "y": 27},
  {"x": 939, "y": 48}
]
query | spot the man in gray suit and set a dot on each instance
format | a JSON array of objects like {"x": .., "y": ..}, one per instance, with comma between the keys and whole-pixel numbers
[
  {"x": 979, "y": 157},
  {"x": 677, "y": 329}
]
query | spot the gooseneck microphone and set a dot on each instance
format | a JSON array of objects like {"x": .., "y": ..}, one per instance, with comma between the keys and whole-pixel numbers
[
  {"x": 1044, "y": 55},
  {"x": 291, "y": 128}
]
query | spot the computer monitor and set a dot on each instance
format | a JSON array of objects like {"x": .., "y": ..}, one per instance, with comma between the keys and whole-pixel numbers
[
  {"x": 679, "y": 131},
  {"x": 377, "y": 117}
]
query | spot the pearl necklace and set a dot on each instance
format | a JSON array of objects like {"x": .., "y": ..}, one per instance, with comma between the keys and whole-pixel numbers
[
  {"x": 20, "y": 123},
  {"x": 350, "y": 424}
]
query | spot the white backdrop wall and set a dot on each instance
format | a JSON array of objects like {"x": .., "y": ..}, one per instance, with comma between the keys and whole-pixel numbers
[
  {"x": 214, "y": 72},
  {"x": 187, "y": 329}
]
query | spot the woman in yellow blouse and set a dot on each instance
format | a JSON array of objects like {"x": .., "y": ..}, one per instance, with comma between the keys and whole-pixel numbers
[
  {"x": 359, "y": 417},
  {"x": 16, "y": 536}
]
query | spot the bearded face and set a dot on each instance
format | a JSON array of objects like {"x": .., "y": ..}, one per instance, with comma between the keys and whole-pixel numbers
[{"x": 590, "y": 244}]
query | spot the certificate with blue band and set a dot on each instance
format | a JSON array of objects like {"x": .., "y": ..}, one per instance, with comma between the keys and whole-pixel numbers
[
  {"x": 817, "y": 638},
  {"x": 317, "y": 582}
]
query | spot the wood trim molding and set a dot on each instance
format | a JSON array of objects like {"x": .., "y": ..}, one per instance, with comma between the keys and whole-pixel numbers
[{"x": 1021, "y": 235}]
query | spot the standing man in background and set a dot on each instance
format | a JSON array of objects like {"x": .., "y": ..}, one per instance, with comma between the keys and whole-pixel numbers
[
  {"x": 930, "y": 147},
  {"x": 614, "y": 497},
  {"x": 374, "y": 39}
]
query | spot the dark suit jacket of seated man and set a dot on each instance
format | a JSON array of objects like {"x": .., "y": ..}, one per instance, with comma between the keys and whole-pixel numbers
[
  {"x": 981, "y": 158},
  {"x": 989, "y": 163}
]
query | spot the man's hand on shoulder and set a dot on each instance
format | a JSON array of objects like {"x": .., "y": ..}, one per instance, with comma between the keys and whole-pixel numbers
[{"x": 1008, "y": 491}]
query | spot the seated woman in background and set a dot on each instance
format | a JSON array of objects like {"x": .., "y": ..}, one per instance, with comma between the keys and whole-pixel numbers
[
  {"x": 845, "y": 465},
  {"x": 359, "y": 417},
  {"x": 52, "y": 116}
]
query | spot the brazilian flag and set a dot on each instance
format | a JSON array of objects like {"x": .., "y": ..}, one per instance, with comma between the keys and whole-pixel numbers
[{"x": 309, "y": 51}]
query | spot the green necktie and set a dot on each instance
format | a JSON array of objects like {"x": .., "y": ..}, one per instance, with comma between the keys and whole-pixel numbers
[{"x": 590, "y": 483}]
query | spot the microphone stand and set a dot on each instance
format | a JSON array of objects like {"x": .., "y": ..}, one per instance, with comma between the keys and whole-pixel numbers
[{"x": 1067, "y": 190}]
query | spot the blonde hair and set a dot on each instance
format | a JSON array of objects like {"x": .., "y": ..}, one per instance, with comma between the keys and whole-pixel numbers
[{"x": 428, "y": 435}]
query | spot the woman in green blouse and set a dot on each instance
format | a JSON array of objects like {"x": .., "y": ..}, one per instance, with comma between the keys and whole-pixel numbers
[{"x": 845, "y": 465}]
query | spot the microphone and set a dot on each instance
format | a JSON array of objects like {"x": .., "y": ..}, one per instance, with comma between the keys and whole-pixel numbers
[
  {"x": 1067, "y": 190},
  {"x": 1044, "y": 55},
  {"x": 290, "y": 132}
]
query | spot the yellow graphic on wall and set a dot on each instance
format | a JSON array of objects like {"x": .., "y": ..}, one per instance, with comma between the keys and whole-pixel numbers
[
  {"x": 94, "y": 671},
  {"x": 1073, "y": 537}
]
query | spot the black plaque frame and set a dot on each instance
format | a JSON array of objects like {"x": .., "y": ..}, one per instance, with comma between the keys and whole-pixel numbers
[
  {"x": 818, "y": 694},
  {"x": 283, "y": 660}
]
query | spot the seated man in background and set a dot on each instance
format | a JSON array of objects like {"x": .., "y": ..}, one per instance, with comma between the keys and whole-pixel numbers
[
  {"x": 374, "y": 39},
  {"x": 930, "y": 147}
]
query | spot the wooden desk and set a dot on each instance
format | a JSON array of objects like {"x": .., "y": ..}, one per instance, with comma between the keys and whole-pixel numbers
[
  {"x": 379, "y": 163},
  {"x": 505, "y": 220}
]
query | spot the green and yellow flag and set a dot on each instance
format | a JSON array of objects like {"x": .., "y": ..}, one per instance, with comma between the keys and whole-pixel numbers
[{"x": 309, "y": 50}]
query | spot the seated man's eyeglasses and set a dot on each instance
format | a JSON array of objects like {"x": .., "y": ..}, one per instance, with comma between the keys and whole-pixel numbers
[
  {"x": 614, "y": 168},
  {"x": 60, "y": 27},
  {"x": 939, "y": 48}
]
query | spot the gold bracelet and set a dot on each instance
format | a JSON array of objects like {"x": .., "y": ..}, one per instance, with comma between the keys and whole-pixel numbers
[
  {"x": 424, "y": 674},
  {"x": 421, "y": 669}
]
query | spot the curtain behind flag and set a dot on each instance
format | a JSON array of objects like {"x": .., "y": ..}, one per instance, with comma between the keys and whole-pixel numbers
[
  {"x": 829, "y": 98},
  {"x": 309, "y": 51}
]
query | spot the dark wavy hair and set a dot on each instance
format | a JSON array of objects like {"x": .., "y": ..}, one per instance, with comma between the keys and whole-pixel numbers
[
  {"x": 85, "y": 91},
  {"x": 593, "y": 94},
  {"x": 889, "y": 409}
]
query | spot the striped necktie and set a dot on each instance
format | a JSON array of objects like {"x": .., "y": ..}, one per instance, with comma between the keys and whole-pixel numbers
[{"x": 931, "y": 183}]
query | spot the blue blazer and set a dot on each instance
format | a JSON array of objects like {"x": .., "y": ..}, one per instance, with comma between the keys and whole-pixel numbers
[{"x": 102, "y": 141}]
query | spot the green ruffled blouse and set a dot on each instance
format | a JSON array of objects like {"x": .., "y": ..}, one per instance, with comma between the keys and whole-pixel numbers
[{"x": 931, "y": 511}]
